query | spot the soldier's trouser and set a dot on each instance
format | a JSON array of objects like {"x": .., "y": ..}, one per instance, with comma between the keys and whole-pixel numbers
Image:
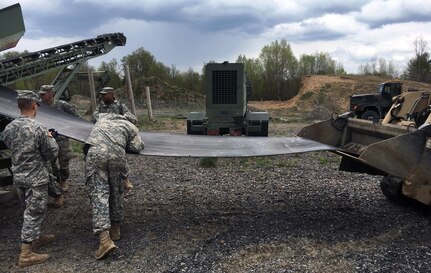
[
  {"x": 35, "y": 200},
  {"x": 105, "y": 186},
  {"x": 54, "y": 188},
  {"x": 64, "y": 155}
]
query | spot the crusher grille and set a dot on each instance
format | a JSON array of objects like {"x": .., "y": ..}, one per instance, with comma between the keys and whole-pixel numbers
[{"x": 224, "y": 83}]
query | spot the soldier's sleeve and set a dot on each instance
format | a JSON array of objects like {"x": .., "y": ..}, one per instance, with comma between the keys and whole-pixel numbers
[
  {"x": 48, "y": 145},
  {"x": 128, "y": 115},
  {"x": 135, "y": 143},
  {"x": 7, "y": 138},
  {"x": 95, "y": 113},
  {"x": 69, "y": 108}
]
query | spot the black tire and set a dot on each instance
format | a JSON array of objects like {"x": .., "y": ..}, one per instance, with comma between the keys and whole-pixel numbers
[
  {"x": 264, "y": 128},
  {"x": 392, "y": 188},
  {"x": 263, "y": 132},
  {"x": 190, "y": 132},
  {"x": 189, "y": 127},
  {"x": 371, "y": 115}
]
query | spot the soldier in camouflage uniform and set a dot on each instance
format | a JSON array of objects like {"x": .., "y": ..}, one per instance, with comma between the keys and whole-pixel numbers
[
  {"x": 61, "y": 171},
  {"x": 109, "y": 104},
  {"x": 32, "y": 148},
  {"x": 106, "y": 168}
]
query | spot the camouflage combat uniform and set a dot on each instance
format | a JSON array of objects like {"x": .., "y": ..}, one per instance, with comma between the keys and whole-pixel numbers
[
  {"x": 31, "y": 150},
  {"x": 106, "y": 167},
  {"x": 115, "y": 108},
  {"x": 65, "y": 150}
]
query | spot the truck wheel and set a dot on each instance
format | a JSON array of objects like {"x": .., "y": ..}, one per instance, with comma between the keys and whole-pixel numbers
[
  {"x": 263, "y": 131},
  {"x": 392, "y": 188},
  {"x": 370, "y": 115},
  {"x": 189, "y": 127},
  {"x": 191, "y": 132},
  {"x": 264, "y": 128}
]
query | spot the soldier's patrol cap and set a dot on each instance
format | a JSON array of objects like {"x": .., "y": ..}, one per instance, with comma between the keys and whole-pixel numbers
[
  {"x": 28, "y": 95},
  {"x": 106, "y": 90},
  {"x": 45, "y": 88}
]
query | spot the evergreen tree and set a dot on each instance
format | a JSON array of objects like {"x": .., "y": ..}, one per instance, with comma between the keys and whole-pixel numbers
[{"x": 419, "y": 67}]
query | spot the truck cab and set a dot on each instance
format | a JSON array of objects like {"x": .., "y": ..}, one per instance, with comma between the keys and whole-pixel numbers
[{"x": 375, "y": 106}]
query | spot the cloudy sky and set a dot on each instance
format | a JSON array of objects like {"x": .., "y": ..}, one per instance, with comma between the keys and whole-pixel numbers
[{"x": 189, "y": 33}]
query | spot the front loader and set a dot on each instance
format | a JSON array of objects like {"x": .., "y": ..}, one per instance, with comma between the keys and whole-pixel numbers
[{"x": 397, "y": 147}]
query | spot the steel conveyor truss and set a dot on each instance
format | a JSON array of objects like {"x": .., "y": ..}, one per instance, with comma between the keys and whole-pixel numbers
[{"x": 40, "y": 62}]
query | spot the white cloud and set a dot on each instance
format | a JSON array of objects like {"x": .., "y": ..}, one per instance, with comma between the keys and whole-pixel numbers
[
  {"x": 176, "y": 44},
  {"x": 395, "y": 11},
  {"x": 188, "y": 33},
  {"x": 33, "y": 45},
  {"x": 147, "y": 4},
  {"x": 30, "y": 6},
  {"x": 326, "y": 27},
  {"x": 214, "y": 8}
]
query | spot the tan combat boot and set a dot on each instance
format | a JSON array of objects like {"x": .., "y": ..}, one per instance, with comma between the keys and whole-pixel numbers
[
  {"x": 58, "y": 202},
  {"x": 128, "y": 185},
  {"x": 28, "y": 258},
  {"x": 43, "y": 240},
  {"x": 114, "y": 231},
  {"x": 106, "y": 245}
]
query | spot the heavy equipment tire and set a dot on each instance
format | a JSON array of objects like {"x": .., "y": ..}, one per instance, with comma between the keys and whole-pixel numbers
[
  {"x": 392, "y": 188},
  {"x": 370, "y": 115},
  {"x": 190, "y": 132},
  {"x": 189, "y": 127},
  {"x": 264, "y": 131}
]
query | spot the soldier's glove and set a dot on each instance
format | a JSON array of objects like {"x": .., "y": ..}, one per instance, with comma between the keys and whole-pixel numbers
[
  {"x": 85, "y": 148},
  {"x": 53, "y": 132}
]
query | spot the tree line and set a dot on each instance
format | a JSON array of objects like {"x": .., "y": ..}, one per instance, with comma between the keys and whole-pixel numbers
[
  {"x": 275, "y": 74},
  {"x": 418, "y": 67}
]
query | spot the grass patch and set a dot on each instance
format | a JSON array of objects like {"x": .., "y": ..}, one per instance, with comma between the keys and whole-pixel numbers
[
  {"x": 265, "y": 162},
  {"x": 76, "y": 147},
  {"x": 324, "y": 161},
  {"x": 161, "y": 122},
  {"x": 290, "y": 162},
  {"x": 328, "y": 159},
  {"x": 306, "y": 96},
  {"x": 208, "y": 162}
]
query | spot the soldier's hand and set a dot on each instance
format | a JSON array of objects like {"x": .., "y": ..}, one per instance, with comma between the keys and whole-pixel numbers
[
  {"x": 128, "y": 186},
  {"x": 52, "y": 133}
]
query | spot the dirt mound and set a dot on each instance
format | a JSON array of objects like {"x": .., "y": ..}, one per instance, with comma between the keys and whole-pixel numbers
[{"x": 324, "y": 94}]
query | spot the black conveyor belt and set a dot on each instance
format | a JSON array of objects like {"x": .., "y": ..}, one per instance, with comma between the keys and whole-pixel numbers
[{"x": 164, "y": 144}]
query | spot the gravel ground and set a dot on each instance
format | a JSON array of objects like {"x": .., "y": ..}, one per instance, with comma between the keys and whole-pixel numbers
[{"x": 292, "y": 213}]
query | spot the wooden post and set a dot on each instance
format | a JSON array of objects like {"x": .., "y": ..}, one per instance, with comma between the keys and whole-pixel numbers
[
  {"x": 129, "y": 90},
  {"x": 92, "y": 91},
  {"x": 150, "y": 109}
]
